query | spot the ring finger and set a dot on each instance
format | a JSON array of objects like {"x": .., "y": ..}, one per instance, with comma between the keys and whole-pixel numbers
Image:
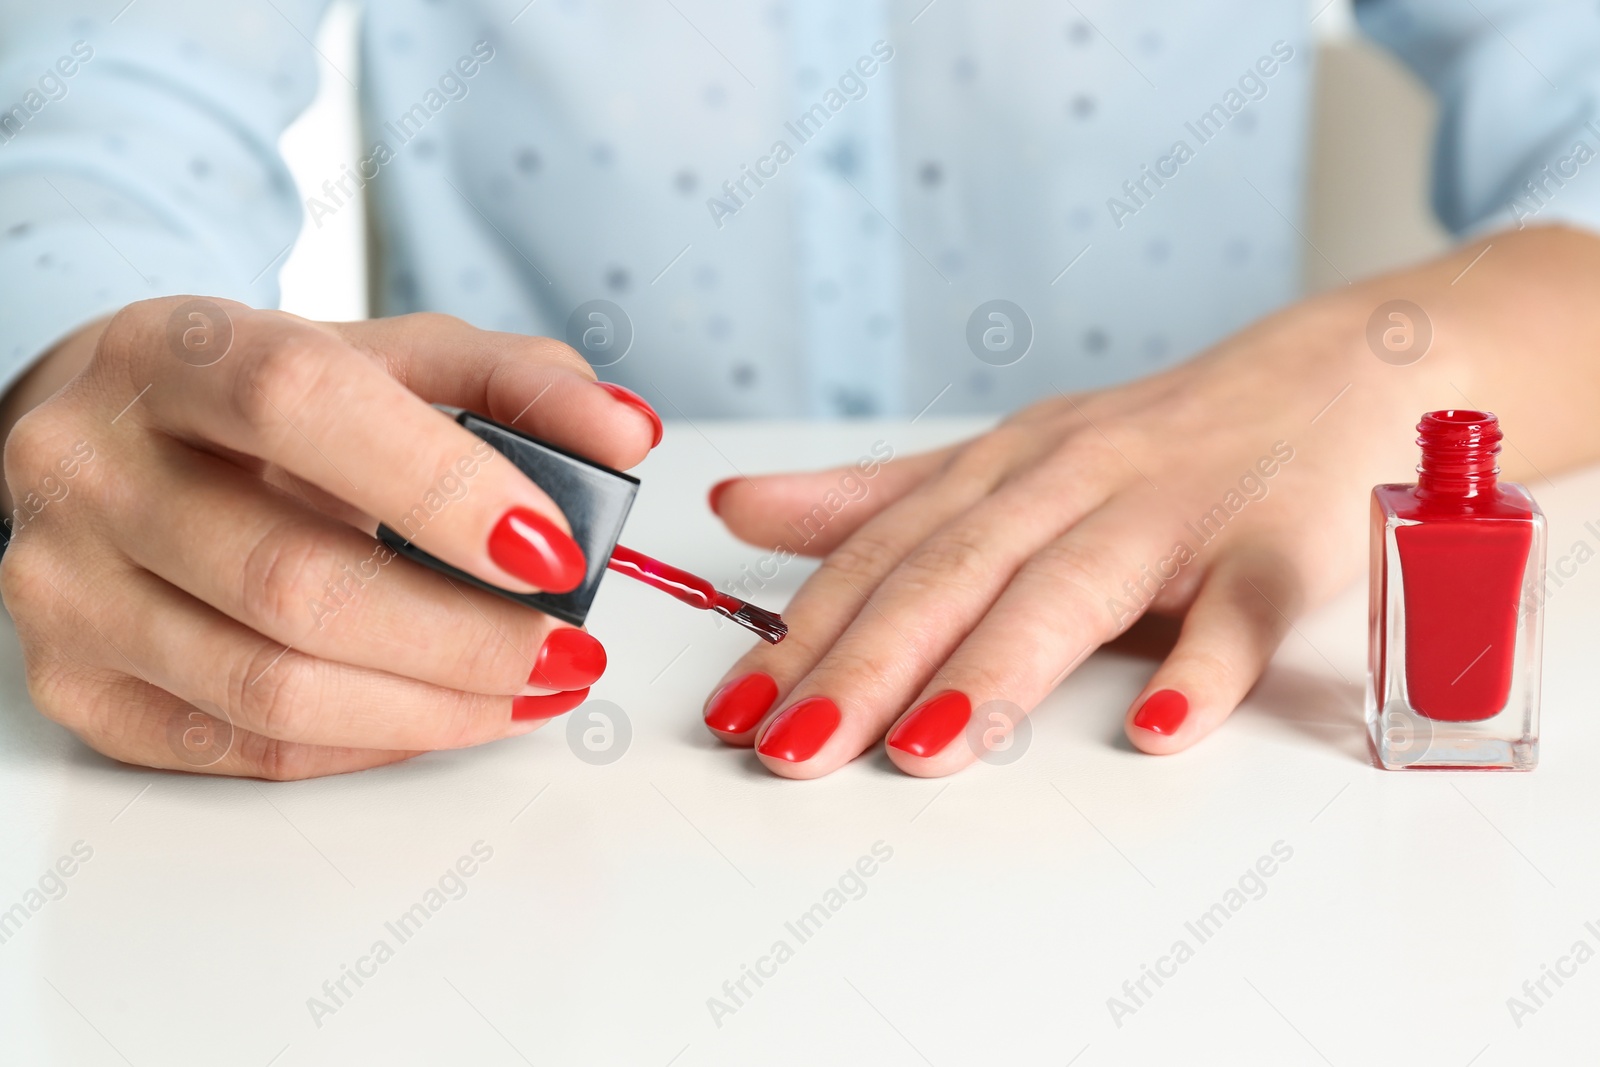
[{"x": 190, "y": 650}]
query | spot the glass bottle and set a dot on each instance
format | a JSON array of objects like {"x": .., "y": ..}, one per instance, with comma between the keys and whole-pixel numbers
[{"x": 1453, "y": 658}]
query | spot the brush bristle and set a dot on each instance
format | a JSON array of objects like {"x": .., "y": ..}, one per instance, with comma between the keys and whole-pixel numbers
[{"x": 763, "y": 623}]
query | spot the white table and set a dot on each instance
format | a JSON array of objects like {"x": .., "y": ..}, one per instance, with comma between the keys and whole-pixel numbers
[{"x": 1018, "y": 899}]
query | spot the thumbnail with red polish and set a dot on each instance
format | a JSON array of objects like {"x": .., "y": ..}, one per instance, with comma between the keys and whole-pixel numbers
[
  {"x": 739, "y": 706},
  {"x": 933, "y": 724},
  {"x": 533, "y": 548},
  {"x": 546, "y": 707},
  {"x": 801, "y": 731},
  {"x": 639, "y": 404},
  {"x": 1163, "y": 712},
  {"x": 568, "y": 659}
]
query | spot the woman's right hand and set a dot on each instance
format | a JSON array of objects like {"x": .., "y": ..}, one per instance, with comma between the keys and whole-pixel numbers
[{"x": 192, "y": 572}]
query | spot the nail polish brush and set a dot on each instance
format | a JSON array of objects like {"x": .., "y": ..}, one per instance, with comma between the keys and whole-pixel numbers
[{"x": 595, "y": 500}]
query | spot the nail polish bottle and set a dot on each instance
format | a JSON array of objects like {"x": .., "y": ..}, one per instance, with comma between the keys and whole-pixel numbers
[{"x": 1454, "y": 657}]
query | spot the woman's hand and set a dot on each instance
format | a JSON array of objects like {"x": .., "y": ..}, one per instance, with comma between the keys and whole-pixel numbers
[
  {"x": 193, "y": 530},
  {"x": 1232, "y": 490}
]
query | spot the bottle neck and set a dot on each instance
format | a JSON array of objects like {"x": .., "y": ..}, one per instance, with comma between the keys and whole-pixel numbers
[{"x": 1460, "y": 451}]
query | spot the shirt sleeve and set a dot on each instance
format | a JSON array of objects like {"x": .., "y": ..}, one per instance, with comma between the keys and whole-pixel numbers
[
  {"x": 138, "y": 157},
  {"x": 1516, "y": 80}
]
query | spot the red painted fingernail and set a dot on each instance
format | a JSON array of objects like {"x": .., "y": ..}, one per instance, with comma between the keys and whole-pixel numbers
[
  {"x": 739, "y": 706},
  {"x": 715, "y": 496},
  {"x": 1163, "y": 712},
  {"x": 533, "y": 548},
  {"x": 797, "y": 734},
  {"x": 639, "y": 404},
  {"x": 546, "y": 707},
  {"x": 933, "y": 724},
  {"x": 568, "y": 659}
]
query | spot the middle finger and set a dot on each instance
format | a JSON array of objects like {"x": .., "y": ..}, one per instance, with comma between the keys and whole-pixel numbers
[{"x": 303, "y": 579}]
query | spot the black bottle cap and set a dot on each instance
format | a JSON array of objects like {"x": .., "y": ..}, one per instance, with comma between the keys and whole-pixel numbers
[{"x": 594, "y": 498}]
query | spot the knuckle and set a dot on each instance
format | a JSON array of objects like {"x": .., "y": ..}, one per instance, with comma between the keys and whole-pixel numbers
[
  {"x": 118, "y": 343},
  {"x": 458, "y": 722},
  {"x": 886, "y": 662},
  {"x": 436, "y": 322},
  {"x": 54, "y": 690},
  {"x": 983, "y": 462},
  {"x": 492, "y": 662},
  {"x": 280, "y": 378},
  {"x": 272, "y": 759},
  {"x": 25, "y": 585},
  {"x": 1078, "y": 572},
  {"x": 283, "y": 570},
  {"x": 549, "y": 351},
  {"x": 1007, "y": 439},
  {"x": 1082, "y": 454},
  {"x": 274, "y": 692},
  {"x": 864, "y": 558},
  {"x": 951, "y": 561},
  {"x": 49, "y": 460},
  {"x": 1103, "y": 448},
  {"x": 37, "y": 442}
]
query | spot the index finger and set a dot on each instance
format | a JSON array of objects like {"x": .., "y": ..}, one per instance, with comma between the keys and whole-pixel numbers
[
  {"x": 299, "y": 396},
  {"x": 534, "y": 383}
]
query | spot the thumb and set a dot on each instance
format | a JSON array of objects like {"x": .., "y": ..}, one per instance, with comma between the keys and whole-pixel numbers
[{"x": 811, "y": 512}]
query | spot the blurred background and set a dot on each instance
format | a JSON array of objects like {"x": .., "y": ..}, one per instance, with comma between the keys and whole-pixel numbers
[{"x": 1367, "y": 205}]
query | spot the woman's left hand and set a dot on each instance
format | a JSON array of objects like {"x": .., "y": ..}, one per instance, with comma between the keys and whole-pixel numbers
[{"x": 1233, "y": 490}]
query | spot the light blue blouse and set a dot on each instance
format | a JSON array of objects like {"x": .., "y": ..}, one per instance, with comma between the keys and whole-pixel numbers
[{"x": 807, "y": 208}]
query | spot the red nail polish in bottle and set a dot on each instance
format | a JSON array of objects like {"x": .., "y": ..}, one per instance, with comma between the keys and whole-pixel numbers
[{"x": 1453, "y": 660}]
